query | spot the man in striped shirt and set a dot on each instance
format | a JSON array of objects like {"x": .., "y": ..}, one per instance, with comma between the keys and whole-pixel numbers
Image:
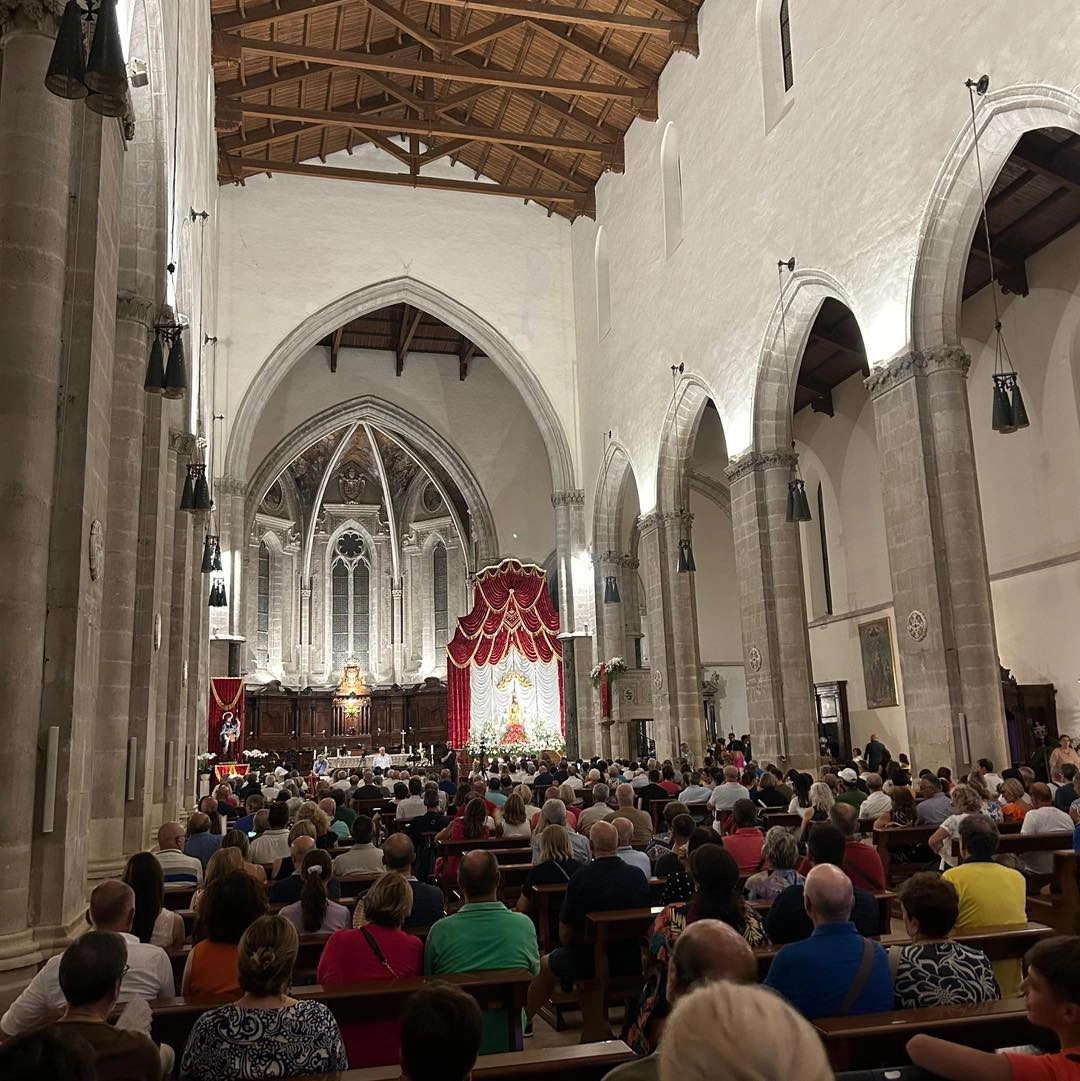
[{"x": 181, "y": 872}]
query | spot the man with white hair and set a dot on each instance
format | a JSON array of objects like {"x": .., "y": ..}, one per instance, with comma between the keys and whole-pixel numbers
[
  {"x": 877, "y": 803},
  {"x": 726, "y": 795},
  {"x": 626, "y": 852},
  {"x": 554, "y": 811},
  {"x": 624, "y": 808},
  {"x": 382, "y": 760},
  {"x": 599, "y": 809},
  {"x": 835, "y": 971}
]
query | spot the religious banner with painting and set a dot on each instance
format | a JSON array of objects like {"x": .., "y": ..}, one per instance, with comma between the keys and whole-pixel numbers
[
  {"x": 226, "y": 730},
  {"x": 504, "y": 677},
  {"x": 879, "y": 675}
]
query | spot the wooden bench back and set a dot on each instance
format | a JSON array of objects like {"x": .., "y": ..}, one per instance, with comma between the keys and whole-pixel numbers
[{"x": 459, "y": 848}]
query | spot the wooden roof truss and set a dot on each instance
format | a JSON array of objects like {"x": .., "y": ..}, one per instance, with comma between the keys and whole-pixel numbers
[{"x": 533, "y": 96}]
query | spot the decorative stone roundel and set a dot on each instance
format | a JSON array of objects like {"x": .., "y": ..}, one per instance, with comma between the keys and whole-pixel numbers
[
  {"x": 658, "y": 679},
  {"x": 432, "y": 499},
  {"x": 97, "y": 549},
  {"x": 628, "y": 695},
  {"x": 755, "y": 659},
  {"x": 916, "y": 625}
]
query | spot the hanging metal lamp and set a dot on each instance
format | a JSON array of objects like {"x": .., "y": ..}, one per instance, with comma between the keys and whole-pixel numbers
[
  {"x": 217, "y": 555},
  {"x": 686, "y": 562},
  {"x": 798, "y": 507},
  {"x": 187, "y": 497},
  {"x": 208, "y": 554},
  {"x": 154, "y": 383},
  {"x": 175, "y": 382},
  {"x": 66, "y": 77},
  {"x": 611, "y": 590},
  {"x": 106, "y": 71},
  {"x": 202, "y": 490},
  {"x": 218, "y": 598}
]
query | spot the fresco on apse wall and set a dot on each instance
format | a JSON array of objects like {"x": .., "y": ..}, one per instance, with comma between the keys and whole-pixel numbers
[{"x": 879, "y": 677}]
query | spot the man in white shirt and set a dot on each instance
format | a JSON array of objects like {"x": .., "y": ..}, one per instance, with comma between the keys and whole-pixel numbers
[
  {"x": 413, "y": 804},
  {"x": 696, "y": 791},
  {"x": 273, "y": 844},
  {"x": 726, "y": 795},
  {"x": 363, "y": 858},
  {"x": 572, "y": 778},
  {"x": 182, "y": 872},
  {"x": 877, "y": 802},
  {"x": 626, "y": 852},
  {"x": 1044, "y": 817},
  {"x": 382, "y": 759},
  {"x": 148, "y": 975},
  {"x": 270, "y": 788},
  {"x": 343, "y": 781},
  {"x": 993, "y": 781}
]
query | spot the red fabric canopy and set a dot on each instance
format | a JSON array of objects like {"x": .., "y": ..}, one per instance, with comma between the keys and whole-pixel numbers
[{"x": 512, "y": 610}]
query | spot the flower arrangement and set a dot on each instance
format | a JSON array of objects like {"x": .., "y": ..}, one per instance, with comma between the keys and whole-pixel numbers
[
  {"x": 611, "y": 668},
  {"x": 490, "y": 738},
  {"x": 205, "y": 762},
  {"x": 255, "y": 755}
]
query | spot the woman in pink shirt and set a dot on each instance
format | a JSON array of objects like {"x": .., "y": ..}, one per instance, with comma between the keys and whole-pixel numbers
[{"x": 378, "y": 950}]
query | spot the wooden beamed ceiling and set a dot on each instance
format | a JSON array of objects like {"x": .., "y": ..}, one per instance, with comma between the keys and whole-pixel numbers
[
  {"x": 533, "y": 97},
  {"x": 400, "y": 330}
]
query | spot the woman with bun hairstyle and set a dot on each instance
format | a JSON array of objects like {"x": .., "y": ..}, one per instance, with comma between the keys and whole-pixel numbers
[
  {"x": 265, "y": 1033},
  {"x": 315, "y": 913}
]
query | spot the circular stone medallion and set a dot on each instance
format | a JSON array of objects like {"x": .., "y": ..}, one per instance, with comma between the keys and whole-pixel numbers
[
  {"x": 917, "y": 625},
  {"x": 755, "y": 659},
  {"x": 658, "y": 679}
]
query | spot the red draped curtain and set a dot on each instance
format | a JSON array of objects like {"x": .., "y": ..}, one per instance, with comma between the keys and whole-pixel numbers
[
  {"x": 226, "y": 696},
  {"x": 512, "y": 610}
]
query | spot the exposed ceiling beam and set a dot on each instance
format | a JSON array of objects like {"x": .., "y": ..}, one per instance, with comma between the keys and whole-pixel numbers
[
  {"x": 264, "y": 14},
  {"x": 441, "y": 150},
  {"x": 335, "y": 348},
  {"x": 397, "y": 18},
  {"x": 410, "y": 322},
  {"x": 1045, "y": 156},
  {"x": 822, "y": 400},
  {"x": 579, "y": 202},
  {"x": 1009, "y": 266},
  {"x": 851, "y": 346},
  {"x": 460, "y": 73},
  {"x": 487, "y": 33},
  {"x": 466, "y": 354},
  {"x": 573, "y": 41},
  {"x": 609, "y": 155},
  {"x": 675, "y": 30}
]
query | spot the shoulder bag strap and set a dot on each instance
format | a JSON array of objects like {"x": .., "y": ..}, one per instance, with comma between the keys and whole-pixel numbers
[
  {"x": 370, "y": 938},
  {"x": 857, "y": 985}
]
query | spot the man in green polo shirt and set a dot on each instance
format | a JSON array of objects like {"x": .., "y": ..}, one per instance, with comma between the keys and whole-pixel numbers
[{"x": 483, "y": 934}]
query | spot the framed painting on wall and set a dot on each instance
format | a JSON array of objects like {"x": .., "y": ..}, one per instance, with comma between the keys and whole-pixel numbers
[{"x": 879, "y": 674}]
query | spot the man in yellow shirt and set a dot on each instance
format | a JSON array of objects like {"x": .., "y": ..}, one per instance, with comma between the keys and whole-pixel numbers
[{"x": 990, "y": 895}]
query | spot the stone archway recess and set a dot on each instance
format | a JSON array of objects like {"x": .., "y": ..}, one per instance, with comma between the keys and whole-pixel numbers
[
  {"x": 954, "y": 206},
  {"x": 426, "y": 297},
  {"x": 413, "y": 433}
]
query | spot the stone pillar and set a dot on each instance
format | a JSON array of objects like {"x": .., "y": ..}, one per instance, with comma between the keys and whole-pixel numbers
[
  {"x": 576, "y": 611},
  {"x": 673, "y": 648},
  {"x": 78, "y": 531},
  {"x": 35, "y": 150},
  {"x": 397, "y": 625},
  {"x": 937, "y": 559},
  {"x": 772, "y": 602},
  {"x": 609, "y": 639},
  {"x": 134, "y": 318}
]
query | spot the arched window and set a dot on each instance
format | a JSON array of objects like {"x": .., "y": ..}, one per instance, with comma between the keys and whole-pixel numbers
[
  {"x": 785, "y": 45},
  {"x": 439, "y": 596},
  {"x": 824, "y": 551},
  {"x": 350, "y": 602},
  {"x": 262, "y": 635},
  {"x": 602, "y": 270},
  {"x": 671, "y": 175}
]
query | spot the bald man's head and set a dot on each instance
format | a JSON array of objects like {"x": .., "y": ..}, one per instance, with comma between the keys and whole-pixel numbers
[
  {"x": 299, "y": 849},
  {"x": 709, "y": 950},
  {"x": 828, "y": 894},
  {"x": 625, "y": 829},
  {"x": 170, "y": 836},
  {"x": 329, "y": 806},
  {"x": 624, "y": 795},
  {"x": 112, "y": 906},
  {"x": 398, "y": 853},
  {"x": 603, "y": 839},
  {"x": 478, "y": 875},
  {"x": 198, "y": 823}
]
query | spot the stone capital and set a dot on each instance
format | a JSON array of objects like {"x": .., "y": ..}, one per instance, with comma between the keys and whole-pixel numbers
[
  {"x": 231, "y": 486},
  {"x": 135, "y": 309},
  {"x": 40, "y": 15},
  {"x": 628, "y": 562},
  {"x": 909, "y": 365},
  {"x": 756, "y": 461},
  {"x": 569, "y": 497},
  {"x": 181, "y": 443}
]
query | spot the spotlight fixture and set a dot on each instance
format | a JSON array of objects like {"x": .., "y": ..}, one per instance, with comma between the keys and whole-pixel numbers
[
  {"x": 686, "y": 562},
  {"x": 1009, "y": 414},
  {"x": 102, "y": 80}
]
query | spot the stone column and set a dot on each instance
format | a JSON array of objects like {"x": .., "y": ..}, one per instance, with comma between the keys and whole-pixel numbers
[
  {"x": 609, "y": 638},
  {"x": 576, "y": 612},
  {"x": 35, "y": 151},
  {"x": 134, "y": 318},
  {"x": 937, "y": 559},
  {"x": 673, "y": 648},
  {"x": 772, "y": 602}
]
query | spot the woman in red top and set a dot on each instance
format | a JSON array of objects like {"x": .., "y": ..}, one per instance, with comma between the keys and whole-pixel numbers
[
  {"x": 378, "y": 950},
  {"x": 471, "y": 825}
]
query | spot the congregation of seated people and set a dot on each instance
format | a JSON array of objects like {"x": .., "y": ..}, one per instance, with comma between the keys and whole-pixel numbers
[{"x": 381, "y": 868}]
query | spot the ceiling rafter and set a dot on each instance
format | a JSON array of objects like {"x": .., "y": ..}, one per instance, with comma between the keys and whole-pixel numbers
[
  {"x": 265, "y": 14},
  {"x": 581, "y": 202},
  {"x": 458, "y": 73}
]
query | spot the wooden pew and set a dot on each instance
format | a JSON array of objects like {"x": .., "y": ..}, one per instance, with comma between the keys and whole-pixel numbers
[
  {"x": 880, "y": 1039},
  {"x": 583, "y": 1062},
  {"x": 884, "y": 900},
  {"x": 179, "y": 898},
  {"x": 459, "y": 848},
  {"x": 1061, "y": 909},
  {"x": 889, "y": 840},
  {"x": 376, "y": 1000}
]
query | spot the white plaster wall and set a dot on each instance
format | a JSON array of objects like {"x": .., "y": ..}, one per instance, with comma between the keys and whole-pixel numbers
[
  {"x": 484, "y": 418},
  {"x": 1027, "y": 480},
  {"x": 292, "y": 245},
  {"x": 715, "y": 584},
  {"x": 841, "y": 182}
]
